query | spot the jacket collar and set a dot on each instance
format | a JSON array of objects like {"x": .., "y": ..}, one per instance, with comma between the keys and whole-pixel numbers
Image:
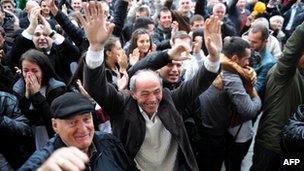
[{"x": 163, "y": 113}]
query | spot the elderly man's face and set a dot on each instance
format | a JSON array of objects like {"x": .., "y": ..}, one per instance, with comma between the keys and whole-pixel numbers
[
  {"x": 276, "y": 25},
  {"x": 41, "y": 39},
  {"x": 77, "y": 131},
  {"x": 76, "y": 5},
  {"x": 148, "y": 93},
  {"x": 219, "y": 11}
]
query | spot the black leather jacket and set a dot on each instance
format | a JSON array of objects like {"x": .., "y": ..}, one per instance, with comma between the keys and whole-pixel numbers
[
  {"x": 15, "y": 132},
  {"x": 292, "y": 141},
  {"x": 109, "y": 155}
]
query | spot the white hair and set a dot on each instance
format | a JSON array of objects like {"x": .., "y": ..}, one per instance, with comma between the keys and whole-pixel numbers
[
  {"x": 142, "y": 74},
  {"x": 276, "y": 18}
]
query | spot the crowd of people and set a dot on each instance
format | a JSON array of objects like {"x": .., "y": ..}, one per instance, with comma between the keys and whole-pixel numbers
[{"x": 151, "y": 85}]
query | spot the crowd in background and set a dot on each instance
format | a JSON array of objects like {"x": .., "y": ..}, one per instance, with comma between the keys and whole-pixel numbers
[{"x": 47, "y": 49}]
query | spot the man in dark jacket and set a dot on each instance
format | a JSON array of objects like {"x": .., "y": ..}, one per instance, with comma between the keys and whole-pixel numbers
[
  {"x": 284, "y": 92},
  {"x": 15, "y": 132},
  {"x": 73, "y": 123},
  {"x": 293, "y": 141},
  {"x": 147, "y": 118}
]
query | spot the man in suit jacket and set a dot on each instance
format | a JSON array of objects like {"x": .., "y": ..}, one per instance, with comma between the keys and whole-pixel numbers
[{"x": 147, "y": 118}]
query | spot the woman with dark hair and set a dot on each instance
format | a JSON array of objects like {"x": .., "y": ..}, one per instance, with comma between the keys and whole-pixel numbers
[
  {"x": 36, "y": 89},
  {"x": 116, "y": 63},
  {"x": 140, "y": 45}
]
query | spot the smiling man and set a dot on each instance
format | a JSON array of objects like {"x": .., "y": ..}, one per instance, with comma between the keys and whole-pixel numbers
[
  {"x": 73, "y": 123},
  {"x": 147, "y": 119}
]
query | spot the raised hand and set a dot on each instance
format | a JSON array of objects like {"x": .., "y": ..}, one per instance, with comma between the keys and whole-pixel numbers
[
  {"x": 213, "y": 38},
  {"x": 253, "y": 75},
  {"x": 52, "y": 6},
  {"x": 179, "y": 52},
  {"x": 33, "y": 19},
  {"x": 122, "y": 60},
  {"x": 18, "y": 70},
  {"x": 122, "y": 80},
  {"x": 134, "y": 56},
  {"x": 96, "y": 28},
  {"x": 16, "y": 19},
  {"x": 174, "y": 28},
  {"x": 46, "y": 24}
]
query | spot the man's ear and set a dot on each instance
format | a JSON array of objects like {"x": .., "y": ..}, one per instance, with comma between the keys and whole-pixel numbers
[
  {"x": 133, "y": 95},
  {"x": 108, "y": 53},
  {"x": 234, "y": 58},
  {"x": 55, "y": 125}
]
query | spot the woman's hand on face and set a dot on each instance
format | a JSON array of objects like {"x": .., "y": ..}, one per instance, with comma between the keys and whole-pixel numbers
[
  {"x": 122, "y": 60},
  {"x": 32, "y": 84},
  {"x": 27, "y": 87},
  {"x": 35, "y": 84},
  {"x": 134, "y": 57}
]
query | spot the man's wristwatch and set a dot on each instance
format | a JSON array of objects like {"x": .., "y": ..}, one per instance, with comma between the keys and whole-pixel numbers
[{"x": 52, "y": 34}]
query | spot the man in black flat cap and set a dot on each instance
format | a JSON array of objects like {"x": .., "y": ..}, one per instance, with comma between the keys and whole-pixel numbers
[{"x": 73, "y": 123}]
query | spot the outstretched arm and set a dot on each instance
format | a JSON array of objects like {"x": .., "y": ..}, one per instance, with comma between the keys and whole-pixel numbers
[
  {"x": 191, "y": 89},
  {"x": 98, "y": 32},
  {"x": 293, "y": 51},
  {"x": 76, "y": 34}
]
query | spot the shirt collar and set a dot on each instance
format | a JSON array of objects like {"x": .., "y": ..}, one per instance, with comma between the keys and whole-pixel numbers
[{"x": 145, "y": 115}]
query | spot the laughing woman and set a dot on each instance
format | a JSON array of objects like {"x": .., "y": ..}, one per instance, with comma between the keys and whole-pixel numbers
[{"x": 140, "y": 46}]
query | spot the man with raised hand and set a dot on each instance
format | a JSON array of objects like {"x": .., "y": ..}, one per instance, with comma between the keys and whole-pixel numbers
[{"x": 147, "y": 118}]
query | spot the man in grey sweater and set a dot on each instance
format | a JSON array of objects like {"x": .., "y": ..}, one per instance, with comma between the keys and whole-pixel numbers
[{"x": 226, "y": 99}]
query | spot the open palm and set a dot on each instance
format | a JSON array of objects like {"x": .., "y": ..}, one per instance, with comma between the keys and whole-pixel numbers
[
  {"x": 95, "y": 25},
  {"x": 213, "y": 37}
]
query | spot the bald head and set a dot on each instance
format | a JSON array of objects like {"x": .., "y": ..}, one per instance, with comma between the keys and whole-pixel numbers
[
  {"x": 146, "y": 88},
  {"x": 144, "y": 76}
]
